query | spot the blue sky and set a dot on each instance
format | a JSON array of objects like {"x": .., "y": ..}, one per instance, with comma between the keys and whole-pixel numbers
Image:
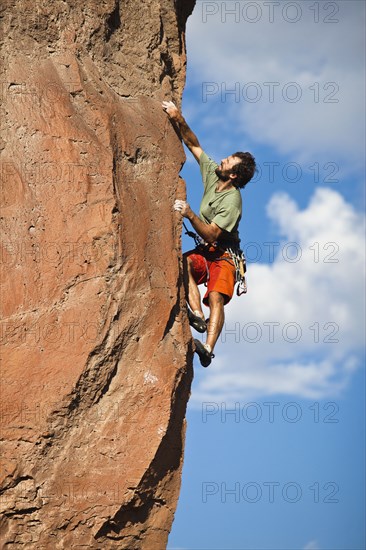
[{"x": 275, "y": 444}]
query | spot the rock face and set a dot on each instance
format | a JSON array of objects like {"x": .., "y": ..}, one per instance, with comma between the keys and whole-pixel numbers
[{"x": 96, "y": 355}]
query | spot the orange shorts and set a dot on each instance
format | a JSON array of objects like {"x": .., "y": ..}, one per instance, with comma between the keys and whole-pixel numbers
[{"x": 218, "y": 274}]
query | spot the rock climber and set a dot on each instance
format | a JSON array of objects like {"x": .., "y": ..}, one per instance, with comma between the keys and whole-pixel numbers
[{"x": 217, "y": 226}]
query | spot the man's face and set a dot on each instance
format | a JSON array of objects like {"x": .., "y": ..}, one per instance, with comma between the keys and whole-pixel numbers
[{"x": 224, "y": 169}]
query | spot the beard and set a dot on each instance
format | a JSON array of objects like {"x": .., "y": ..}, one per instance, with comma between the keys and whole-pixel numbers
[{"x": 223, "y": 175}]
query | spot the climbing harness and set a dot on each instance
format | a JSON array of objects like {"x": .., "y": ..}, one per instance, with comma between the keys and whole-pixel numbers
[{"x": 236, "y": 254}]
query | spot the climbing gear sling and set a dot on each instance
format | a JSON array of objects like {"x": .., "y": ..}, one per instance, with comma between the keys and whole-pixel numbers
[
  {"x": 239, "y": 260},
  {"x": 197, "y": 239}
]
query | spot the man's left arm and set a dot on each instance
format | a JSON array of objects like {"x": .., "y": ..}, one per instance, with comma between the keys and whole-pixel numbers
[{"x": 208, "y": 232}]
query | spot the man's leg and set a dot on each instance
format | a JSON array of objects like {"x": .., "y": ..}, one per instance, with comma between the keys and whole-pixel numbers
[
  {"x": 220, "y": 289},
  {"x": 217, "y": 317},
  {"x": 192, "y": 292}
]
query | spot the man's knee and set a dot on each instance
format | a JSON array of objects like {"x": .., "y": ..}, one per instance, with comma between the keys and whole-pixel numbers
[
  {"x": 216, "y": 299},
  {"x": 187, "y": 263}
]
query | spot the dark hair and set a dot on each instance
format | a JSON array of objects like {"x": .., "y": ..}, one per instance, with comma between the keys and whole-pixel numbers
[{"x": 243, "y": 170}]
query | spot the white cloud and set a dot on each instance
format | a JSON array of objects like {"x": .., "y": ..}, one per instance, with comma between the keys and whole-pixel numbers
[
  {"x": 232, "y": 50},
  {"x": 300, "y": 329},
  {"x": 312, "y": 545}
]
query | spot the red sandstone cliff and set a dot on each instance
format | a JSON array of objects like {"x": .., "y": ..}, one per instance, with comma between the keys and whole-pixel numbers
[{"x": 96, "y": 361}]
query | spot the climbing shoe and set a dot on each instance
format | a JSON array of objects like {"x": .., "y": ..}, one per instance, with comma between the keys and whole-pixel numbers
[
  {"x": 204, "y": 355},
  {"x": 196, "y": 322}
]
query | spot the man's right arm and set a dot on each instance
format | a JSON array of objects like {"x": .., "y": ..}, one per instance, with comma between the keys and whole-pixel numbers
[{"x": 189, "y": 138}]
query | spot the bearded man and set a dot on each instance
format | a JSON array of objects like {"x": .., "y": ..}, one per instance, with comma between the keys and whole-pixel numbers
[{"x": 217, "y": 225}]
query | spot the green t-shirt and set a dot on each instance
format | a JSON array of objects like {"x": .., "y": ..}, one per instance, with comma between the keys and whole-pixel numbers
[{"x": 221, "y": 207}]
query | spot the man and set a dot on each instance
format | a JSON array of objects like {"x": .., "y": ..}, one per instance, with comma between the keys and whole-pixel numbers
[{"x": 217, "y": 225}]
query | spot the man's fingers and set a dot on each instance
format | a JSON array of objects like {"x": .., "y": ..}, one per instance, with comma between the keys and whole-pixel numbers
[
  {"x": 182, "y": 207},
  {"x": 179, "y": 205},
  {"x": 167, "y": 104}
]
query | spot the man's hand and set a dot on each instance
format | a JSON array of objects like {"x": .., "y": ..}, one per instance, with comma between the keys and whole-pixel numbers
[
  {"x": 208, "y": 232},
  {"x": 182, "y": 207},
  {"x": 171, "y": 109}
]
